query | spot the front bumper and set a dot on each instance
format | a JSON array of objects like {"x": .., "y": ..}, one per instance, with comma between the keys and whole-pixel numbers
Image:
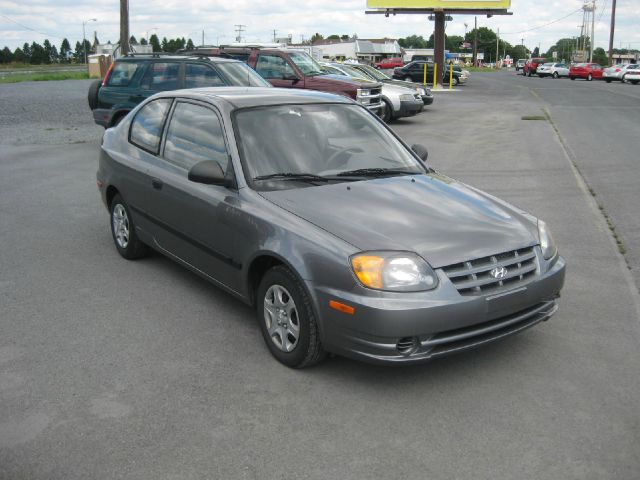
[
  {"x": 397, "y": 328},
  {"x": 427, "y": 99},
  {"x": 409, "y": 108}
]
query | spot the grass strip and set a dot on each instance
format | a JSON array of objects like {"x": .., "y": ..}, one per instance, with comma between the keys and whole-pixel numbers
[{"x": 44, "y": 77}]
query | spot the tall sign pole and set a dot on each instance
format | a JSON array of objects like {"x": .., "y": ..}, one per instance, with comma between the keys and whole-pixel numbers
[
  {"x": 438, "y": 50},
  {"x": 593, "y": 30},
  {"x": 124, "y": 27},
  {"x": 475, "y": 43},
  {"x": 613, "y": 29}
]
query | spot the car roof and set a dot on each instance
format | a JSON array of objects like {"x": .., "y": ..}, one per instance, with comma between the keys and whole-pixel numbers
[
  {"x": 174, "y": 57},
  {"x": 244, "y": 97}
]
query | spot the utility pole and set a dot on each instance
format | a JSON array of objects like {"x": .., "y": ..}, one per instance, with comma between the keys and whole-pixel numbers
[
  {"x": 124, "y": 27},
  {"x": 475, "y": 43},
  {"x": 497, "y": 46},
  {"x": 84, "y": 40},
  {"x": 593, "y": 28},
  {"x": 613, "y": 28},
  {"x": 274, "y": 36},
  {"x": 239, "y": 30}
]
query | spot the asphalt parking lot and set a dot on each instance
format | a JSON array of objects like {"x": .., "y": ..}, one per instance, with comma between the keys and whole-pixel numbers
[{"x": 115, "y": 369}]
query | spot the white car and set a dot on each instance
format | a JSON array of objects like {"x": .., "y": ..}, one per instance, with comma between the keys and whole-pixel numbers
[
  {"x": 618, "y": 72},
  {"x": 632, "y": 75},
  {"x": 554, "y": 70}
]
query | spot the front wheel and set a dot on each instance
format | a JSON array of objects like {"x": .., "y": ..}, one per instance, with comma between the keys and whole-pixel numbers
[
  {"x": 555, "y": 75},
  {"x": 572, "y": 78},
  {"x": 123, "y": 231},
  {"x": 608, "y": 80},
  {"x": 456, "y": 81},
  {"x": 589, "y": 77},
  {"x": 387, "y": 116},
  {"x": 635, "y": 82},
  {"x": 287, "y": 321}
]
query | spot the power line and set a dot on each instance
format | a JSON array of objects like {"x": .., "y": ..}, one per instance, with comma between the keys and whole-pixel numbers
[
  {"x": 29, "y": 28},
  {"x": 545, "y": 24}
]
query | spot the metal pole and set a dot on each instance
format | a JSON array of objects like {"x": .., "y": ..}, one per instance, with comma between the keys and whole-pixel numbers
[
  {"x": 438, "y": 37},
  {"x": 613, "y": 28},
  {"x": 497, "y": 47},
  {"x": 84, "y": 44}
]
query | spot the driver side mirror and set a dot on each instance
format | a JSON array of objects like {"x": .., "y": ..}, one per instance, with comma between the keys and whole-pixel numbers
[
  {"x": 208, "y": 172},
  {"x": 421, "y": 151}
]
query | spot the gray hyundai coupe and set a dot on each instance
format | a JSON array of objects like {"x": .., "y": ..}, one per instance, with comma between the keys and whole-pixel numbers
[{"x": 306, "y": 206}]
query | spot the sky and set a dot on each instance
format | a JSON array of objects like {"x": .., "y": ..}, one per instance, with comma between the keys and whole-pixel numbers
[{"x": 34, "y": 20}]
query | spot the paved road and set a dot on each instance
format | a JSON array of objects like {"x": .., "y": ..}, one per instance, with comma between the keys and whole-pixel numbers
[{"x": 115, "y": 369}]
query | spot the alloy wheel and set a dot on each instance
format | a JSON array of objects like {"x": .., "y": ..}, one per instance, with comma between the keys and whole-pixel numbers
[
  {"x": 281, "y": 318},
  {"x": 120, "y": 221}
]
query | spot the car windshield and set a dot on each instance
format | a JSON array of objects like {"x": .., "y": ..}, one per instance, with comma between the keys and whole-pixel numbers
[
  {"x": 241, "y": 74},
  {"x": 354, "y": 72},
  {"x": 377, "y": 74},
  {"x": 307, "y": 65},
  {"x": 292, "y": 146}
]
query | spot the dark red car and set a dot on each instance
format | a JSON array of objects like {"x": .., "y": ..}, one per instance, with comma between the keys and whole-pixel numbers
[
  {"x": 388, "y": 63},
  {"x": 587, "y": 71},
  {"x": 531, "y": 67}
]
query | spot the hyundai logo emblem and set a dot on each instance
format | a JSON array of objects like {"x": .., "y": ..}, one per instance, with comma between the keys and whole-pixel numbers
[{"x": 498, "y": 273}]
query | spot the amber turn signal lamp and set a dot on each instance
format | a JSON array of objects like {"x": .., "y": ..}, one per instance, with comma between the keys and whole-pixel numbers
[
  {"x": 341, "y": 307},
  {"x": 368, "y": 269}
]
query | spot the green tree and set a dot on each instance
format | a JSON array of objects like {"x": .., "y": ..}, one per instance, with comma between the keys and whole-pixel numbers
[
  {"x": 316, "y": 37},
  {"x": 6, "y": 56},
  {"x": 19, "y": 56},
  {"x": 65, "y": 48},
  {"x": 344, "y": 37},
  {"x": 132, "y": 40},
  {"x": 453, "y": 42},
  {"x": 143, "y": 41},
  {"x": 190, "y": 45},
  {"x": 26, "y": 50},
  {"x": 38, "y": 54},
  {"x": 600, "y": 56},
  {"x": 155, "y": 43},
  {"x": 48, "y": 52},
  {"x": 413, "y": 41},
  {"x": 333, "y": 37}
]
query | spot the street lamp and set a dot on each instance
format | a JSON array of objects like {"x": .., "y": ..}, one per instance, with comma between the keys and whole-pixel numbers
[{"x": 84, "y": 40}]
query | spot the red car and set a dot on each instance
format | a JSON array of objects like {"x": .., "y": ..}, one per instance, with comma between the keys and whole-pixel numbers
[
  {"x": 388, "y": 63},
  {"x": 531, "y": 67},
  {"x": 587, "y": 71}
]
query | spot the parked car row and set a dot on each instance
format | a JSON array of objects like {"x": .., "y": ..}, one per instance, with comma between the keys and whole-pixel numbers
[
  {"x": 415, "y": 72},
  {"x": 135, "y": 77},
  {"x": 585, "y": 71},
  {"x": 401, "y": 99}
]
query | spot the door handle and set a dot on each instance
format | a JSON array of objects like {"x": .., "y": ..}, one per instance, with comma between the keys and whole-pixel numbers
[{"x": 157, "y": 184}]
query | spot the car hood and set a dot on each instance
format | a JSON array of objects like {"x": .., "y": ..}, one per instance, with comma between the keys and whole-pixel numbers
[
  {"x": 331, "y": 78},
  {"x": 442, "y": 220}
]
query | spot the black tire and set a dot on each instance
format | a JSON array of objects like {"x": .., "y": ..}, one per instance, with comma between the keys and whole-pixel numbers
[
  {"x": 92, "y": 97},
  {"x": 117, "y": 119},
  {"x": 308, "y": 350},
  {"x": 572, "y": 78},
  {"x": 387, "y": 116},
  {"x": 589, "y": 77},
  {"x": 456, "y": 81},
  {"x": 624, "y": 79},
  {"x": 608, "y": 81},
  {"x": 133, "y": 248},
  {"x": 635, "y": 82},
  {"x": 555, "y": 75}
]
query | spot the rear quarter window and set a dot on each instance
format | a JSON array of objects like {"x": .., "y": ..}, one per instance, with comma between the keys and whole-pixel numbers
[
  {"x": 122, "y": 73},
  {"x": 146, "y": 127}
]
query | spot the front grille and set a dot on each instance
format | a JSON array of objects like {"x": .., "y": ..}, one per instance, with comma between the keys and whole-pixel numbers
[{"x": 474, "y": 277}]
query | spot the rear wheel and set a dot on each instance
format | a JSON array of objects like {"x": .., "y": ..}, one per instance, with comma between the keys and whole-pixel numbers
[
  {"x": 635, "y": 82},
  {"x": 589, "y": 77},
  {"x": 286, "y": 319},
  {"x": 608, "y": 80},
  {"x": 572, "y": 78},
  {"x": 123, "y": 231},
  {"x": 555, "y": 75}
]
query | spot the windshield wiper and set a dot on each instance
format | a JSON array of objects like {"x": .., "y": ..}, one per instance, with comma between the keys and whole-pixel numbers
[
  {"x": 292, "y": 176},
  {"x": 374, "y": 172}
]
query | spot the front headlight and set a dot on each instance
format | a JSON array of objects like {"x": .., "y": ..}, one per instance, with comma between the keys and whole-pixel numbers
[
  {"x": 420, "y": 91},
  {"x": 364, "y": 92},
  {"x": 547, "y": 243},
  {"x": 394, "y": 271},
  {"x": 406, "y": 97}
]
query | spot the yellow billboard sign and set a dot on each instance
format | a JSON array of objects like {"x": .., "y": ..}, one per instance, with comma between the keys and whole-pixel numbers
[{"x": 442, "y": 4}]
